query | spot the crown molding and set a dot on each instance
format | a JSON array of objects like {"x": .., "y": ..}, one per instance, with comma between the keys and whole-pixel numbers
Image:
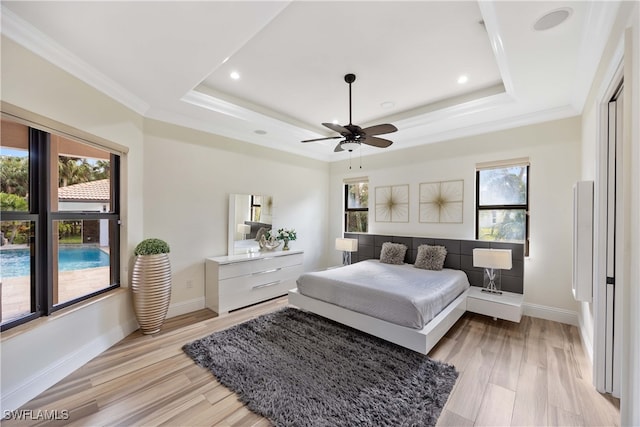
[
  {"x": 42, "y": 45},
  {"x": 599, "y": 20},
  {"x": 496, "y": 125},
  {"x": 487, "y": 9}
]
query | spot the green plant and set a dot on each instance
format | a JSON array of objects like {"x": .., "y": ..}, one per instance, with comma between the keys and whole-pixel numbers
[
  {"x": 152, "y": 247},
  {"x": 286, "y": 234}
]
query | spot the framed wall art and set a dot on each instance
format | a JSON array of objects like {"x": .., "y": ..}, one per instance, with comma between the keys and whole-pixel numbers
[
  {"x": 392, "y": 203},
  {"x": 441, "y": 202}
]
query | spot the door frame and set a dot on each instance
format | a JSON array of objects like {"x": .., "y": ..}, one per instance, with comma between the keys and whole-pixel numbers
[{"x": 600, "y": 242}]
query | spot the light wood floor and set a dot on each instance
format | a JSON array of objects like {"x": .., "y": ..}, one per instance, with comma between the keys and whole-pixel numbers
[{"x": 532, "y": 373}]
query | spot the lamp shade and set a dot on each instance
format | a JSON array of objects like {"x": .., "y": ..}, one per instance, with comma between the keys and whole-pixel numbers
[
  {"x": 244, "y": 228},
  {"x": 350, "y": 145},
  {"x": 492, "y": 258},
  {"x": 346, "y": 245}
]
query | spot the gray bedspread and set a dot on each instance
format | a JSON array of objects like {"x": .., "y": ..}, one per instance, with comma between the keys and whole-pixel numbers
[{"x": 401, "y": 294}]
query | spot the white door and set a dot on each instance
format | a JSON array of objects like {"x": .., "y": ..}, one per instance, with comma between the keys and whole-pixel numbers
[{"x": 613, "y": 318}]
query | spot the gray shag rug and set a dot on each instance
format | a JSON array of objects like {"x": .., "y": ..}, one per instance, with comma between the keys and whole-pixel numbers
[{"x": 299, "y": 369}]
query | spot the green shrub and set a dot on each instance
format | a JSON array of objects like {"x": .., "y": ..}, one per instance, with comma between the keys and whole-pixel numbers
[{"x": 152, "y": 247}]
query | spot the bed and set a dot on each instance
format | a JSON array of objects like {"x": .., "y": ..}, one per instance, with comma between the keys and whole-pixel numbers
[
  {"x": 401, "y": 315},
  {"x": 399, "y": 294}
]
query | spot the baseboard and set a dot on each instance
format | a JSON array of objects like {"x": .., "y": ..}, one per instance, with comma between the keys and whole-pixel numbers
[
  {"x": 185, "y": 307},
  {"x": 38, "y": 382},
  {"x": 587, "y": 344},
  {"x": 551, "y": 313}
]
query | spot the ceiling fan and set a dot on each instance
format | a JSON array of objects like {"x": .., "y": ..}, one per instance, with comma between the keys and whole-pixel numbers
[{"x": 354, "y": 135}]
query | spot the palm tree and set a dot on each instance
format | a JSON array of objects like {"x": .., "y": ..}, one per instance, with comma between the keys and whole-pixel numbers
[
  {"x": 101, "y": 170},
  {"x": 14, "y": 175},
  {"x": 72, "y": 170}
]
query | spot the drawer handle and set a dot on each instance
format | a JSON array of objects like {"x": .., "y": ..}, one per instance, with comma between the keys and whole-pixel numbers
[
  {"x": 264, "y": 285},
  {"x": 266, "y": 271}
]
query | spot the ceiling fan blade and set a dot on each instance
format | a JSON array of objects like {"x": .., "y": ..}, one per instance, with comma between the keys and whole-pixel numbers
[
  {"x": 337, "y": 128},
  {"x": 338, "y": 148},
  {"x": 321, "y": 139},
  {"x": 376, "y": 142},
  {"x": 379, "y": 129}
]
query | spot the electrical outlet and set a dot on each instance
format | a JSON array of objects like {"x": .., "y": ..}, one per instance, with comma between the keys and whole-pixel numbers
[{"x": 189, "y": 284}]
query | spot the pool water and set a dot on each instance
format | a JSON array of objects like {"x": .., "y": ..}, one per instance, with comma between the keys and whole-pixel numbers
[{"x": 16, "y": 263}]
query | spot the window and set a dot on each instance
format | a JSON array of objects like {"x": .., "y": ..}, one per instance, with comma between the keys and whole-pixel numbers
[
  {"x": 59, "y": 234},
  {"x": 356, "y": 206},
  {"x": 502, "y": 197}
]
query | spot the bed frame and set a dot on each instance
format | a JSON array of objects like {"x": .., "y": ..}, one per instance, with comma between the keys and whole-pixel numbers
[{"x": 459, "y": 257}]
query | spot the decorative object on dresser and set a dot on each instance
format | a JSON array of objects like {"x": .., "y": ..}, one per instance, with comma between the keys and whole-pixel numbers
[
  {"x": 346, "y": 246},
  {"x": 441, "y": 201},
  {"x": 492, "y": 260},
  {"x": 268, "y": 244},
  {"x": 286, "y": 234},
  {"x": 151, "y": 284},
  {"x": 296, "y": 368},
  {"x": 235, "y": 281}
]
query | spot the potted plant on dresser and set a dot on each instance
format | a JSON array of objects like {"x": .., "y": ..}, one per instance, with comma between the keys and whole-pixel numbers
[{"x": 151, "y": 284}]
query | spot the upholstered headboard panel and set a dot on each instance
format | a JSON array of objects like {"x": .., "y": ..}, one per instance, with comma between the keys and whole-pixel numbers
[{"x": 459, "y": 255}]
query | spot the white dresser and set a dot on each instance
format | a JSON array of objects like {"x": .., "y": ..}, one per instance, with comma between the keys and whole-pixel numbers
[{"x": 239, "y": 280}]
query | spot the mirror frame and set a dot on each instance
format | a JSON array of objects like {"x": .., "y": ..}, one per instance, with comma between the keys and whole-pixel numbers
[{"x": 231, "y": 243}]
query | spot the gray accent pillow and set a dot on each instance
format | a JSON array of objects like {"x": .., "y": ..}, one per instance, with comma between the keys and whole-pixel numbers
[
  {"x": 430, "y": 257},
  {"x": 393, "y": 253}
]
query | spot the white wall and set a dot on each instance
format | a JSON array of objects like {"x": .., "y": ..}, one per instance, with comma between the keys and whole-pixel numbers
[
  {"x": 51, "y": 348},
  {"x": 187, "y": 181},
  {"x": 553, "y": 149}
]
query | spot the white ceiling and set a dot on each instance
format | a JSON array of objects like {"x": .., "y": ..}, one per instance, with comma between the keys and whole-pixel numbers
[{"x": 171, "y": 60}]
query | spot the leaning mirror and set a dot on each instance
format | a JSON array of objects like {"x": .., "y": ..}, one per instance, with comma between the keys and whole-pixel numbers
[{"x": 250, "y": 215}]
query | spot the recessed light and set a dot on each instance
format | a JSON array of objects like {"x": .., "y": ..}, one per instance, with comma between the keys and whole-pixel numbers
[
  {"x": 552, "y": 19},
  {"x": 463, "y": 79},
  {"x": 388, "y": 104},
  {"x": 260, "y": 132},
  {"x": 335, "y": 121},
  {"x": 234, "y": 75}
]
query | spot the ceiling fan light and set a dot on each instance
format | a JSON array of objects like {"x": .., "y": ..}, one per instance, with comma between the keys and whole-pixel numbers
[{"x": 349, "y": 145}]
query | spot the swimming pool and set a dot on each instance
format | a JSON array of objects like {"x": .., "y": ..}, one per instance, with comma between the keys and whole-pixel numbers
[{"x": 15, "y": 262}]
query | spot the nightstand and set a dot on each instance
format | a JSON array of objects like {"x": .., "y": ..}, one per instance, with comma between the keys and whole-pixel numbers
[{"x": 507, "y": 306}]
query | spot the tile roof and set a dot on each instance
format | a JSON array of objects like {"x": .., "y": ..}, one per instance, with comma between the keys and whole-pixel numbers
[{"x": 86, "y": 191}]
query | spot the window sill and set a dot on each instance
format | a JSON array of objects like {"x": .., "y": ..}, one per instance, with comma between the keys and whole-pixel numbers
[{"x": 36, "y": 323}]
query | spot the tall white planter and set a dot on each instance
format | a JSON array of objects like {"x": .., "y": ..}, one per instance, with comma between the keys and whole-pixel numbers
[{"x": 151, "y": 286}]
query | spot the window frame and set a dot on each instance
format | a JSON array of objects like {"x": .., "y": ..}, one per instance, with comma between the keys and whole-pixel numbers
[
  {"x": 42, "y": 217},
  {"x": 348, "y": 210},
  {"x": 524, "y": 207}
]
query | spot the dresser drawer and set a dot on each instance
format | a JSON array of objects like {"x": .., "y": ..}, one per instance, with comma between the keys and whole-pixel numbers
[
  {"x": 240, "y": 291},
  {"x": 253, "y": 266},
  {"x": 260, "y": 280}
]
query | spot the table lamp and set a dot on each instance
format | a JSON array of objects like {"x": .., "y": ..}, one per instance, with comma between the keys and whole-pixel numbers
[
  {"x": 346, "y": 246},
  {"x": 244, "y": 229},
  {"x": 493, "y": 261}
]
